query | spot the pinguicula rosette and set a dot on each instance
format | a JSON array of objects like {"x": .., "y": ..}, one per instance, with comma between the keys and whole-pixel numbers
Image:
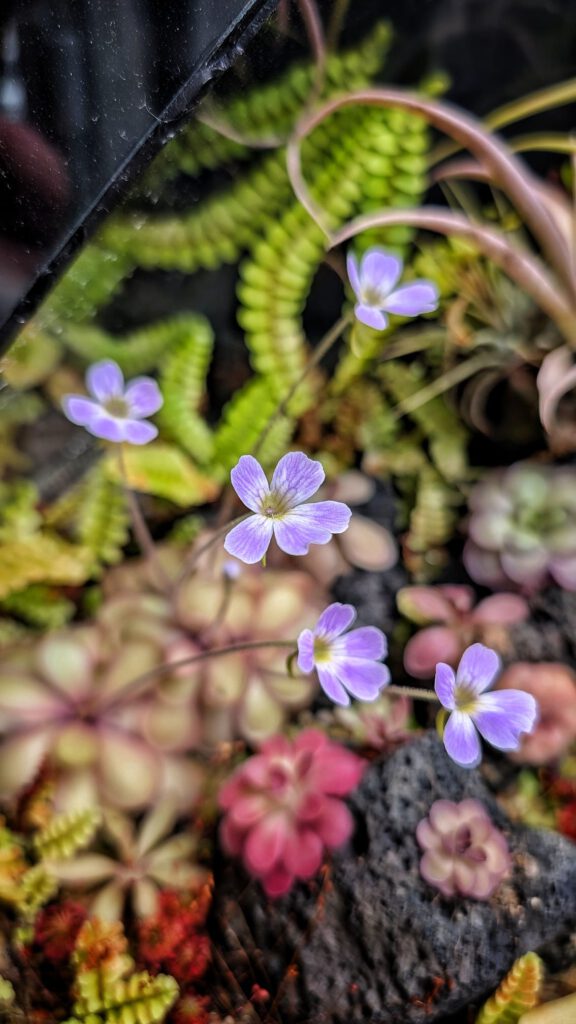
[
  {"x": 464, "y": 853},
  {"x": 281, "y": 509},
  {"x": 282, "y": 808},
  {"x": 115, "y": 411},
  {"x": 523, "y": 527},
  {"x": 345, "y": 662},
  {"x": 501, "y": 717},
  {"x": 374, "y": 283}
]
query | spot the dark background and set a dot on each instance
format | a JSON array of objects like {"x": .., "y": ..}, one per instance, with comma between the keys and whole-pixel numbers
[{"x": 84, "y": 83}]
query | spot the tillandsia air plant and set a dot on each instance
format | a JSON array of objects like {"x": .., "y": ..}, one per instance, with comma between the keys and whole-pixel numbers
[{"x": 214, "y": 757}]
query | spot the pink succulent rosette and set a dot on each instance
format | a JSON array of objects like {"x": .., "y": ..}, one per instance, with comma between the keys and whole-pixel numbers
[
  {"x": 464, "y": 853},
  {"x": 451, "y": 623},
  {"x": 375, "y": 284},
  {"x": 282, "y": 808},
  {"x": 554, "y": 687},
  {"x": 115, "y": 411}
]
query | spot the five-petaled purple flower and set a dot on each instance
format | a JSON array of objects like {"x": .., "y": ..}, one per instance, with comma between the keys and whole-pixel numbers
[
  {"x": 279, "y": 510},
  {"x": 374, "y": 284},
  {"x": 500, "y": 717},
  {"x": 351, "y": 662},
  {"x": 115, "y": 412}
]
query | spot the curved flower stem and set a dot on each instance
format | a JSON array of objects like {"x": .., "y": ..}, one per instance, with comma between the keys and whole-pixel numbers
[
  {"x": 315, "y": 32},
  {"x": 191, "y": 561},
  {"x": 415, "y": 692},
  {"x": 323, "y": 346},
  {"x": 144, "y": 680},
  {"x": 527, "y": 270},
  {"x": 504, "y": 168},
  {"x": 140, "y": 527},
  {"x": 336, "y": 23}
]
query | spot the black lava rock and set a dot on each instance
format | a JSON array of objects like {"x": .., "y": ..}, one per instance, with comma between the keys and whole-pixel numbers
[
  {"x": 376, "y": 944},
  {"x": 550, "y": 632}
]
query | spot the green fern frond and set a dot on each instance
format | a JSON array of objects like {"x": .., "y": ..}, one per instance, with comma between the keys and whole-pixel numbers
[
  {"x": 270, "y": 110},
  {"x": 139, "y": 999},
  {"x": 183, "y": 383},
  {"x": 517, "y": 994},
  {"x": 66, "y": 834},
  {"x": 91, "y": 281},
  {"x": 40, "y": 558},
  {"x": 136, "y": 352},
  {"x": 101, "y": 521},
  {"x": 433, "y": 515},
  {"x": 36, "y": 887},
  {"x": 244, "y": 419}
]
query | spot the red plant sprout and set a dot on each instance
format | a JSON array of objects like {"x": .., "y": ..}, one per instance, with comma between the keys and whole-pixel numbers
[
  {"x": 452, "y": 623},
  {"x": 172, "y": 941},
  {"x": 282, "y": 809},
  {"x": 56, "y": 929}
]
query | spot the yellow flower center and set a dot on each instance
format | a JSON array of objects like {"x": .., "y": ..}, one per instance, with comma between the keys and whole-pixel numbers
[
  {"x": 117, "y": 407},
  {"x": 322, "y": 652},
  {"x": 465, "y": 699}
]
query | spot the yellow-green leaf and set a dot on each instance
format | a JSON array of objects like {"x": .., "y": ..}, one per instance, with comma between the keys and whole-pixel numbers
[{"x": 163, "y": 470}]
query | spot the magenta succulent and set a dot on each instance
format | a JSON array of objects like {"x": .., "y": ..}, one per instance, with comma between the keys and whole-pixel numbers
[
  {"x": 115, "y": 412},
  {"x": 344, "y": 661},
  {"x": 523, "y": 527},
  {"x": 281, "y": 509},
  {"x": 374, "y": 284},
  {"x": 282, "y": 808},
  {"x": 454, "y": 623},
  {"x": 500, "y": 717},
  {"x": 464, "y": 853}
]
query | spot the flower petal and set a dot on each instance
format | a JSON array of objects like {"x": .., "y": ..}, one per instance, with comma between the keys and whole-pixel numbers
[
  {"x": 413, "y": 299},
  {"x": 331, "y": 685},
  {"x": 310, "y": 524},
  {"x": 380, "y": 270},
  {"x": 336, "y": 824},
  {"x": 306, "y": 650},
  {"x": 503, "y": 715},
  {"x": 366, "y": 642},
  {"x": 334, "y": 620},
  {"x": 249, "y": 540},
  {"x": 478, "y": 667},
  {"x": 363, "y": 679},
  {"x": 265, "y": 844},
  {"x": 303, "y": 853},
  {"x": 249, "y": 481},
  {"x": 277, "y": 882},
  {"x": 109, "y": 428},
  {"x": 461, "y": 740},
  {"x": 445, "y": 685},
  {"x": 105, "y": 380},
  {"x": 143, "y": 396},
  {"x": 139, "y": 432},
  {"x": 80, "y": 410},
  {"x": 353, "y": 272},
  {"x": 370, "y": 316},
  {"x": 297, "y": 478}
]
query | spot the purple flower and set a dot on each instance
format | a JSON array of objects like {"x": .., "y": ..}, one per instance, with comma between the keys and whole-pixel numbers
[
  {"x": 499, "y": 717},
  {"x": 350, "y": 662},
  {"x": 115, "y": 412},
  {"x": 374, "y": 286},
  {"x": 279, "y": 508}
]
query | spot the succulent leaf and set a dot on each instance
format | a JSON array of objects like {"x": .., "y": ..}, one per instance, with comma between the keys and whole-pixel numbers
[{"x": 516, "y": 994}]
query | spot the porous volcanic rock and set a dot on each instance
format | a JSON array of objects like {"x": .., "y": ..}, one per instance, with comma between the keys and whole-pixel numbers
[{"x": 374, "y": 944}]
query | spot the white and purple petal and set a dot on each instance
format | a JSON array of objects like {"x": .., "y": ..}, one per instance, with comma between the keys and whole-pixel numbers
[
  {"x": 306, "y": 651},
  {"x": 249, "y": 540},
  {"x": 331, "y": 684},
  {"x": 334, "y": 620},
  {"x": 310, "y": 524},
  {"x": 370, "y": 316},
  {"x": 138, "y": 431},
  {"x": 461, "y": 740},
  {"x": 365, "y": 642},
  {"x": 250, "y": 483},
  {"x": 353, "y": 272},
  {"x": 363, "y": 679},
  {"x": 107, "y": 427},
  {"x": 503, "y": 715},
  {"x": 413, "y": 299},
  {"x": 296, "y": 478},
  {"x": 477, "y": 669},
  {"x": 379, "y": 271},
  {"x": 105, "y": 380},
  {"x": 79, "y": 410},
  {"x": 143, "y": 397},
  {"x": 445, "y": 685}
]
